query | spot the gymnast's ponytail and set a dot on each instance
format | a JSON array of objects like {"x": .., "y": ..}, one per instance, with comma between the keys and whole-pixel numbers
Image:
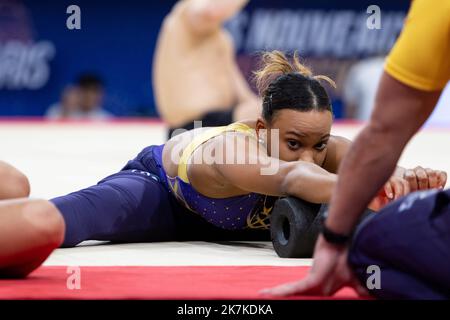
[{"x": 284, "y": 84}]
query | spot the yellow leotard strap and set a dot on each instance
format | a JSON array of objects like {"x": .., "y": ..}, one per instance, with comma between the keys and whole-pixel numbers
[{"x": 202, "y": 138}]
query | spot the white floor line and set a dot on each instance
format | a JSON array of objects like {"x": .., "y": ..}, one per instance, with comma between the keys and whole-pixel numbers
[{"x": 173, "y": 254}]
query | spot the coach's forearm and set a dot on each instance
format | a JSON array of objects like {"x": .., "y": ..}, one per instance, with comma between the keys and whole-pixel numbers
[{"x": 367, "y": 166}]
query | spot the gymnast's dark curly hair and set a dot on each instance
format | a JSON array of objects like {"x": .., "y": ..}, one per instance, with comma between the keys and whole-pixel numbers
[{"x": 285, "y": 84}]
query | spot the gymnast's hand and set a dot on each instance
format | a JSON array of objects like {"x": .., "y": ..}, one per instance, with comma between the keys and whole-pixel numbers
[
  {"x": 407, "y": 181},
  {"x": 393, "y": 189},
  {"x": 329, "y": 273},
  {"x": 425, "y": 178}
]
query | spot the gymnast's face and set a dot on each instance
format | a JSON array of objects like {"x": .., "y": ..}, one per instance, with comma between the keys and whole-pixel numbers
[{"x": 303, "y": 135}]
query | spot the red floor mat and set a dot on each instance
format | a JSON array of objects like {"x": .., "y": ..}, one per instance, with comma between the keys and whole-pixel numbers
[{"x": 183, "y": 283}]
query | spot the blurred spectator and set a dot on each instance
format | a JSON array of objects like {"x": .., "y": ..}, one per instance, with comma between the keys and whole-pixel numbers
[
  {"x": 195, "y": 72},
  {"x": 361, "y": 86},
  {"x": 83, "y": 101},
  {"x": 69, "y": 104}
]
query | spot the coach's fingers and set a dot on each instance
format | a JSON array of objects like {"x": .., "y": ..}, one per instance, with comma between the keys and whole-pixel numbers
[
  {"x": 388, "y": 190},
  {"x": 299, "y": 287},
  {"x": 406, "y": 187},
  {"x": 432, "y": 178},
  {"x": 422, "y": 178},
  {"x": 442, "y": 179},
  {"x": 398, "y": 186},
  {"x": 410, "y": 176}
]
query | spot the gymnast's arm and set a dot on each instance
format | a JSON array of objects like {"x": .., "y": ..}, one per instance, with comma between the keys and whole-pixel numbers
[
  {"x": 417, "y": 178},
  {"x": 205, "y": 16},
  {"x": 268, "y": 175}
]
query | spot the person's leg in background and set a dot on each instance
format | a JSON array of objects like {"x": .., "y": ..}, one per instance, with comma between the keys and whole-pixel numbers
[
  {"x": 409, "y": 240},
  {"x": 13, "y": 183},
  {"x": 247, "y": 109},
  {"x": 211, "y": 119},
  {"x": 29, "y": 231}
]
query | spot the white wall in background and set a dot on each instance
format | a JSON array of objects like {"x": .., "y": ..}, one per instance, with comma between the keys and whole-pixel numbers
[{"x": 441, "y": 115}]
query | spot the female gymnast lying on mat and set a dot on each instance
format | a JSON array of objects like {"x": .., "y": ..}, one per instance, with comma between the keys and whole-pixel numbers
[{"x": 158, "y": 197}]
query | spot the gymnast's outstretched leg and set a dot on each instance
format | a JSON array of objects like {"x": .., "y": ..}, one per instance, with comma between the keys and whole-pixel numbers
[{"x": 130, "y": 206}]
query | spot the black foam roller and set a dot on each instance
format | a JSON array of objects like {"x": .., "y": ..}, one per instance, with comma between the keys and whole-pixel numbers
[
  {"x": 292, "y": 227},
  {"x": 295, "y": 226}
]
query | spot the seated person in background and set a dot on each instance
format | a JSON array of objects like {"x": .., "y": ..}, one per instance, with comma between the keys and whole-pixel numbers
[
  {"x": 195, "y": 75},
  {"x": 83, "y": 101},
  {"x": 361, "y": 86},
  {"x": 67, "y": 106}
]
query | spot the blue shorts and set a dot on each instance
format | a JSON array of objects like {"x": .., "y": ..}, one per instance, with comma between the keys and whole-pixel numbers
[
  {"x": 409, "y": 240},
  {"x": 135, "y": 205}
]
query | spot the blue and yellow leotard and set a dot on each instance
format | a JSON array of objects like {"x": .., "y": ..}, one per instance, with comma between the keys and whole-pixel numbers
[
  {"x": 239, "y": 212},
  {"x": 141, "y": 203}
]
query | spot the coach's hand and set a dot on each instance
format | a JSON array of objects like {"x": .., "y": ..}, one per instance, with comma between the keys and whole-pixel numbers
[
  {"x": 425, "y": 178},
  {"x": 329, "y": 273}
]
